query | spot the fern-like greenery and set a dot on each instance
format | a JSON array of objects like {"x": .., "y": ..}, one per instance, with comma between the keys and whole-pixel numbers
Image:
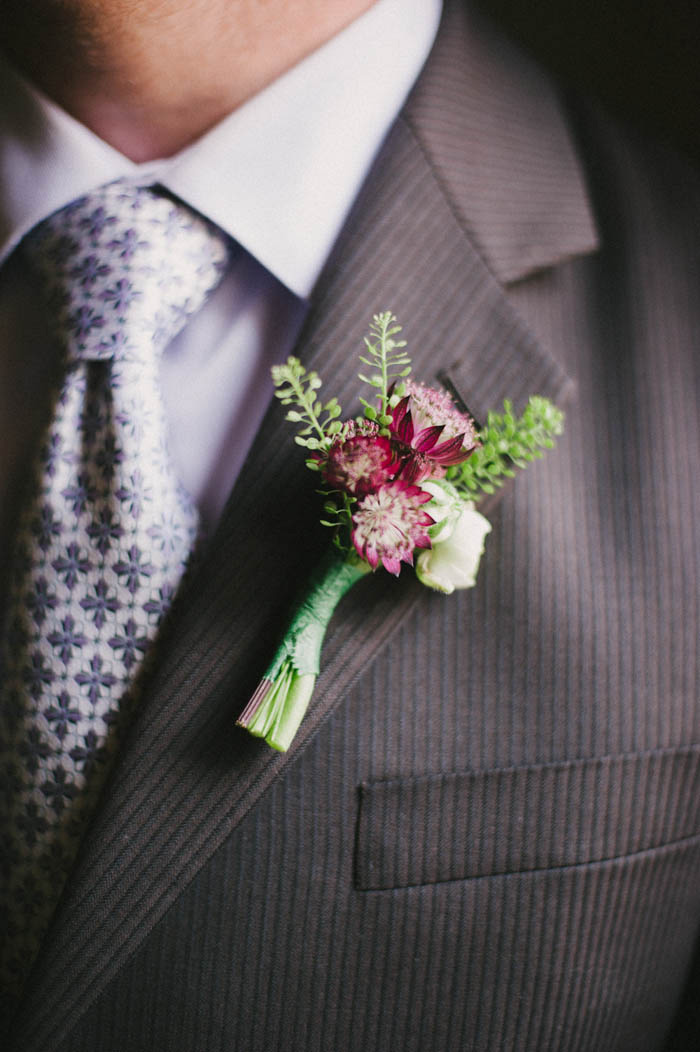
[
  {"x": 387, "y": 356},
  {"x": 507, "y": 441},
  {"x": 294, "y": 385}
]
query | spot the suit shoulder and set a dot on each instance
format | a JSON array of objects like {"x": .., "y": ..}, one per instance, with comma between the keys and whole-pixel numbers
[{"x": 636, "y": 182}]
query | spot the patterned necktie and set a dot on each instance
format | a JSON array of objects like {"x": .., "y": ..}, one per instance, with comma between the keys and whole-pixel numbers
[{"x": 104, "y": 541}]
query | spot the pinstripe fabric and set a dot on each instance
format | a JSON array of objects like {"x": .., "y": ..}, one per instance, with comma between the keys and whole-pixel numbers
[
  {"x": 539, "y": 862},
  {"x": 542, "y": 806}
]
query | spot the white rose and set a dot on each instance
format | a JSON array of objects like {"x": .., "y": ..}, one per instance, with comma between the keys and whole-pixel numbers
[{"x": 458, "y": 541}]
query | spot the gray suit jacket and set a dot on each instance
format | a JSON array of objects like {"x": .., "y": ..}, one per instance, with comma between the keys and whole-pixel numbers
[{"x": 487, "y": 834}]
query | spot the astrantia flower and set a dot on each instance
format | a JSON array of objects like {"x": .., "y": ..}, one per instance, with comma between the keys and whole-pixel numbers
[
  {"x": 389, "y": 524},
  {"x": 359, "y": 461},
  {"x": 431, "y": 432}
]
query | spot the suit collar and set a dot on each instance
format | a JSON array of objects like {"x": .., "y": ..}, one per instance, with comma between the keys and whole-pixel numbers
[
  {"x": 493, "y": 131},
  {"x": 186, "y": 777}
]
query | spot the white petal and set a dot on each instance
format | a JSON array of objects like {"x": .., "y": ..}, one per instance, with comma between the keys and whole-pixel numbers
[{"x": 454, "y": 562}]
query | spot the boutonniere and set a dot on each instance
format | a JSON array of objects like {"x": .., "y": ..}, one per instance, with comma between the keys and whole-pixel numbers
[{"x": 399, "y": 484}]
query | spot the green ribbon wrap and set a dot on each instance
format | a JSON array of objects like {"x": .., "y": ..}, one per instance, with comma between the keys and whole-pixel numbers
[{"x": 281, "y": 699}]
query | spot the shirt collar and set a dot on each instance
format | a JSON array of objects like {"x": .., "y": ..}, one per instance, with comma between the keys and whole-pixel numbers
[
  {"x": 46, "y": 159},
  {"x": 279, "y": 174}
]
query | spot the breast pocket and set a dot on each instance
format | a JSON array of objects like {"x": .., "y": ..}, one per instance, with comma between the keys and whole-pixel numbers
[{"x": 464, "y": 825}]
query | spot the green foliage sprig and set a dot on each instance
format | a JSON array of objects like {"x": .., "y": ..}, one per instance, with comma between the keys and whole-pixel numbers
[
  {"x": 338, "y": 511},
  {"x": 320, "y": 421},
  {"x": 507, "y": 442},
  {"x": 387, "y": 356}
]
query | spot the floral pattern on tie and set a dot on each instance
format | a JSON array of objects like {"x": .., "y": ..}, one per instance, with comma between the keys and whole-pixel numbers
[{"x": 106, "y": 536}]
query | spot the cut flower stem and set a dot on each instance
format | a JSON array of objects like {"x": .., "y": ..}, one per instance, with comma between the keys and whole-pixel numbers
[{"x": 280, "y": 700}]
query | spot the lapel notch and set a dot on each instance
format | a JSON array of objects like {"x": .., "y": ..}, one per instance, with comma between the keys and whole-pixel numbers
[{"x": 492, "y": 127}]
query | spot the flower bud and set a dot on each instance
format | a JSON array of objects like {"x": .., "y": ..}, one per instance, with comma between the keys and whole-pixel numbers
[{"x": 453, "y": 560}]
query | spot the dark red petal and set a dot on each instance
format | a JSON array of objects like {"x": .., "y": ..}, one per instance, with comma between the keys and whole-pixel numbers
[
  {"x": 402, "y": 422},
  {"x": 405, "y": 431},
  {"x": 399, "y": 411},
  {"x": 424, "y": 441},
  {"x": 413, "y": 471},
  {"x": 450, "y": 452}
]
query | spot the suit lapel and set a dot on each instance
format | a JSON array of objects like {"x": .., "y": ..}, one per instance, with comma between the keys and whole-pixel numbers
[{"x": 186, "y": 776}]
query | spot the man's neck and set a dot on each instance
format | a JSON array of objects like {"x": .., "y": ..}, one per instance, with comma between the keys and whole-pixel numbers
[{"x": 151, "y": 78}]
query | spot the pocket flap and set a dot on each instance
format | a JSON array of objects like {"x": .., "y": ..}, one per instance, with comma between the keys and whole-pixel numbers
[{"x": 509, "y": 820}]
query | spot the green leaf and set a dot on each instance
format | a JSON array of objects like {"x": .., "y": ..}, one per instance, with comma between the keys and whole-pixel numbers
[
  {"x": 387, "y": 356},
  {"x": 507, "y": 442},
  {"x": 295, "y": 386}
]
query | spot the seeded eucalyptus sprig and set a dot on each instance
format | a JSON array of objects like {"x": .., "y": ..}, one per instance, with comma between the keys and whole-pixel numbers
[
  {"x": 508, "y": 441},
  {"x": 296, "y": 386},
  {"x": 386, "y": 355}
]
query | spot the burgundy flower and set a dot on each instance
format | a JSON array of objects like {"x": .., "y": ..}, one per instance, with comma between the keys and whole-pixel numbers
[
  {"x": 430, "y": 433},
  {"x": 360, "y": 460},
  {"x": 389, "y": 524}
]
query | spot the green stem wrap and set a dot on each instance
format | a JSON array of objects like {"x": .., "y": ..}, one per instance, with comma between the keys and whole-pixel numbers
[{"x": 279, "y": 703}]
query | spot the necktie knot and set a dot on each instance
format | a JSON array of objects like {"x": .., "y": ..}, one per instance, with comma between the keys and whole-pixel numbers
[{"x": 123, "y": 268}]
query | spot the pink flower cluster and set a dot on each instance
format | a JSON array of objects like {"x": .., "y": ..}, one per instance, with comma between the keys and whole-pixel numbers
[{"x": 383, "y": 473}]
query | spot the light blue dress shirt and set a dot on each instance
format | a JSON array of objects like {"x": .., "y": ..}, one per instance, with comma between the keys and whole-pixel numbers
[{"x": 279, "y": 175}]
